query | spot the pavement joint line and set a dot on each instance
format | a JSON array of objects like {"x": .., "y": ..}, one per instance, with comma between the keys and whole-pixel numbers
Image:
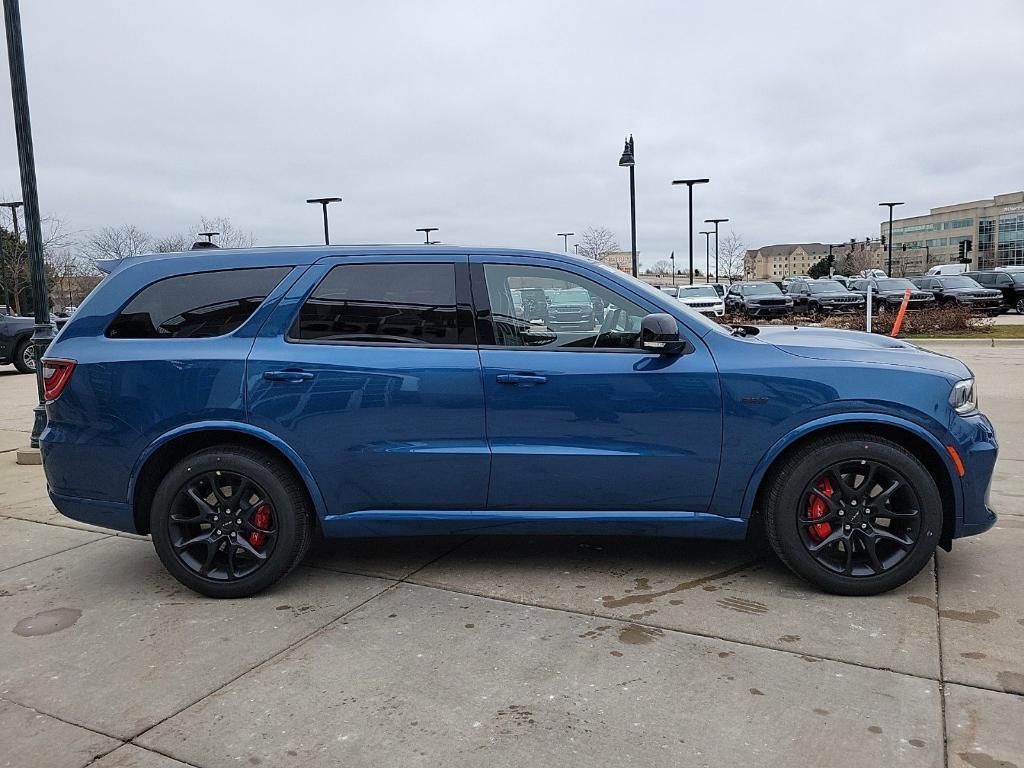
[
  {"x": 59, "y": 552},
  {"x": 105, "y": 532},
  {"x": 120, "y": 742},
  {"x": 942, "y": 676},
  {"x": 676, "y": 630},
  {"x": 291, "y": 646}
]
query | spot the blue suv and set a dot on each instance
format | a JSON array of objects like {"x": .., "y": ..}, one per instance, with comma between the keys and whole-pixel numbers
[{"x": 235, "y": 403}]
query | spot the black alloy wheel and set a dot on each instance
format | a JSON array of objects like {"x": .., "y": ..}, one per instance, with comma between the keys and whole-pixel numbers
[
  {"x": 853, "y": 513},
  {"x": 230, "y": 521}
]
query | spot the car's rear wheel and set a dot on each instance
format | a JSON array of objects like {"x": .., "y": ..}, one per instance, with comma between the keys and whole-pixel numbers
[
  {"x": 25, "y": 357},
  {"x": 1020, "y": 306},
  {"x": 229, "y": 521},
  {"x": 853, "y": 514}
]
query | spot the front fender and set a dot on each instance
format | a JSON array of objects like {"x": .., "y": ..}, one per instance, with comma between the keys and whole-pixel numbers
[
  {"x": 244, "y": 429},
  {"x": 750, "y": 494}
]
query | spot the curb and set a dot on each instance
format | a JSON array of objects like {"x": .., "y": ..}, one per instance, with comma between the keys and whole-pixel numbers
[{"x": 968, "y": 342}]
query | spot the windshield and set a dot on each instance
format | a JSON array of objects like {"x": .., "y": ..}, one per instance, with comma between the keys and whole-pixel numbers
[
  {"x": 895, "y": 284},
  {"x": 760, "y": 289},
  {"x": 694, "y": 319},
  {"x": 958, "y": 282},
  {"x": 692, "y": 291},
  {"x": 827, "y": 286}
]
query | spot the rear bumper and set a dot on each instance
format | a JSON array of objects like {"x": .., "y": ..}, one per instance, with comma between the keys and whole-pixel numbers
[{"x": 106, "y": 514}]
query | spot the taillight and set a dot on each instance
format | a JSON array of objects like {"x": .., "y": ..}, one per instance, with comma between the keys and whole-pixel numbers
[{"x": 56, "y": 374}]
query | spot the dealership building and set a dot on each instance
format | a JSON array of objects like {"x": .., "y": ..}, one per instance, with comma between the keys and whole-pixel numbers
[{"x": 992, "y": 229}]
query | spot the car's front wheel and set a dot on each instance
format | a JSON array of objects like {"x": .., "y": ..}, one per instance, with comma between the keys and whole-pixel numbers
[
  {"x": 25, "y": 357},
  {"x": 1020, "y": 306},
  {"x": 853, "y": 514},
  {"x": 230, "y": 521}
]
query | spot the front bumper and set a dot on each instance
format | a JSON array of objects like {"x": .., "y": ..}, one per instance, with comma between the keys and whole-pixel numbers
[
  {"x": 779, "y": 310},
  {"x": 976, "y": 443}
]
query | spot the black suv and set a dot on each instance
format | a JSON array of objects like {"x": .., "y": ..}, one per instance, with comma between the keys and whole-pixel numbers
[
  {"x": 962, "y": 290},
  {"x": 824, "y": 297},
  {"x": 758, "y": 300},
  {"x": 888, "y": 293},
  {"x": 1010, "y": 283}
]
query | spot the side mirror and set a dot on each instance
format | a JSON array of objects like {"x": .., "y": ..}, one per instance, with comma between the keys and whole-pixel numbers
[{"x": 659, "y": 333}]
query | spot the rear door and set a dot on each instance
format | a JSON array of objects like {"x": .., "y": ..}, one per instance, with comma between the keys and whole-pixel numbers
[
  {"x": 369, "y": 370},
  {"x": 579, "y": 418}
]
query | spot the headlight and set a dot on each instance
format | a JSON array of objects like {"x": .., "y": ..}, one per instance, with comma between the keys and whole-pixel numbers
[{"x": 964, "y": 397}]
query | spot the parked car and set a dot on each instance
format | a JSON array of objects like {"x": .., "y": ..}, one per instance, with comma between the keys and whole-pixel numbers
[
  {"x": 670, "y": 290},
  {"x": 720, "y": 288},
  {"x": 703, "y": 298},
  {"x": 758, "y": 299},
  {"x": 824, "y": 297},
  {"x": 786, "y": 281},
  {"x": 1010, "y": 283},
  {"x": 16, "y": 339},
  {"x": 878, "y": 274},
  {"x": 570, "y": 308},
  {"x": 888, "y": 293},
  {"x": 842, "y": 280},
  {"x": 231, "y": 403},
  {"x": 962, "y": 290}
]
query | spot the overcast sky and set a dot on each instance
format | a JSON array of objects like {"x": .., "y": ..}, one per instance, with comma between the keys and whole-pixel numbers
[{"x": 502, "y": 122}]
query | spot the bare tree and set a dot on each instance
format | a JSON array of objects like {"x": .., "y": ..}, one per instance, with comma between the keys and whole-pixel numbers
[
  {"x": 229, "y": 235},
  {"x": 732, "y": 256},
  {"x": 16, "y": 255},
  {"x": 662, "y": 267},
  {"x": 69, "y": 275},
  {"x": 595, "y": 242},
  {"x": 121, "y": 242},
  {"x": 173, "y": 243}
]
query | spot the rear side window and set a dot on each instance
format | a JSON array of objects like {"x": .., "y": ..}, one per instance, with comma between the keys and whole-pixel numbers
[
  {"x": 196, "y": 306},
  {"x": 384, "y": 304}
]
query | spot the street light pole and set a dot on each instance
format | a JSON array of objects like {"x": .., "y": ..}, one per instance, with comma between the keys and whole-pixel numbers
[
  {"x": 716, "y": 222},
  {"x": 565, "y": 239},
  {"x": 628, "y": 160},
  {"x": 426, "y": 234},
  {"x": 689, "y": 188},
  {"x": 17, "y": 240},
  {"x": 42, "y": 334},
  {"x": 707, "y": 256},
  {"x": 672, "y": 258},
  {"x": 576, "y": 246},
  {"x": 209, "y": 235},
  {"x": 888, "y": 241},
  {"x": 325, "y": 201}
]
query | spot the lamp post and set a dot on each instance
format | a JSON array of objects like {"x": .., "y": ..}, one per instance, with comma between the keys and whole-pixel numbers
[
  {"x": 689, "y": 188},
  {"x": 325, "y": 201},
  {"x": 209, "y": 235},
  {"x": 672, "y": 258},
  {"x": 628, "y": 161},
  {"x": 716, "y": 222},
  {"x": 17, "y": 240},
  {"x": 426, "y": 234},
  {"x": 888, "y": 241},
  {"x": 576, "y": 247},
  {"x": 565, "y": 239},
  {"x": 42, "y": 333},
  {"x": 707, "y": 256}
]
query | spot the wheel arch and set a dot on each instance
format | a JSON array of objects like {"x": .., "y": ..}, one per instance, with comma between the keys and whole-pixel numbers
[
  {"x": 921, "y": 443},
  {"x": 173, "y": 446}
]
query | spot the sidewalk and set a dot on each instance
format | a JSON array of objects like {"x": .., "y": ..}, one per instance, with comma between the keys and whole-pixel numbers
[{"x": 509, "y": 651}]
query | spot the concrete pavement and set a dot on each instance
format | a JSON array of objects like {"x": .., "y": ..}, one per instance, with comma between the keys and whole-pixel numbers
[{"x": 508, "y": 650}]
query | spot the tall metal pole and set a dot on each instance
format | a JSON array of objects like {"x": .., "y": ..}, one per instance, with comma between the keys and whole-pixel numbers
[
  {"x": 324, "y": 202},
  {"x": 716, "y": 222},
  {"x": 628, "y": 160},
  {"x": 42, "y": 334},
  {"x": 707, "y": 256},
  {"x": 565, "y": 240},
  {"x": 14, "y": 255},
  {"x": 888, "y": 241},
  {"x": 689, "y": 185}
]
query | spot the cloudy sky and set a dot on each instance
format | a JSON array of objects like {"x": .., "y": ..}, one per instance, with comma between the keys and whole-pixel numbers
[{"x": 502, "y": 122}]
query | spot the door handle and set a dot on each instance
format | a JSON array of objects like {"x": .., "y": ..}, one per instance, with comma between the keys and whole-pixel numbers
[
  {"x": 521, "y": 379},
  {"x": 287, "y": 375}
]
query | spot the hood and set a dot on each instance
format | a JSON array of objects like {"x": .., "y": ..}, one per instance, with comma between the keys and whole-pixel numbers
[
  {"x": 858, "y": 347},
  {"x": 701, "y": 299}
]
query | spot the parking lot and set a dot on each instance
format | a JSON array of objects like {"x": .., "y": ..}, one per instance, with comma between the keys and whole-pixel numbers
[{"x": 497, "y": 650}]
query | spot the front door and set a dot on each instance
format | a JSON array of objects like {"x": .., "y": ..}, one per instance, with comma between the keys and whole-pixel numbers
[
  {"x": 578, "y": 418},
  {"x": 369, "y": 370}
]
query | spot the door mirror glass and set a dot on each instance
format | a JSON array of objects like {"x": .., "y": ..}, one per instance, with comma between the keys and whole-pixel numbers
[{"x": 659, "y": 333}]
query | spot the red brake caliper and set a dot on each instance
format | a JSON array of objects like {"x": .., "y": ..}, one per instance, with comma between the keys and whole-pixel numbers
[
  {"x": 261, "y": 519},
  {"x": 816, "y": 508}
]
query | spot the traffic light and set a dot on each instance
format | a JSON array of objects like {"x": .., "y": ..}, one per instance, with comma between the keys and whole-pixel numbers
[{"x": 966, "y": 246}]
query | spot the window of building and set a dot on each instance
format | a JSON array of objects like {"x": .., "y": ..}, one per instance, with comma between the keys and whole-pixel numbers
[
  {"x": 198, "y": 305},
  {"x": 546, "y": 308},
  {"x": 986, "y": 243},
  {"x": 389, "y": 303},
  {"x": 958, "y": 224},
  {"x": 935, "y": 242},
  {"x": 1011, "y": 240}
]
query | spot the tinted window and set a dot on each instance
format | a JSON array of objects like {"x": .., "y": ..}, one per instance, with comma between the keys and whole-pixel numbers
[
  {"x": 384, "y": 303},
  {"x": 895, "y": 284},
  {"x": 524, "y": 312},
  {"x": 761, "y": 289},
  {"x": 961, "y": 281},
  {"x": 827, "y": 286},
  {"x": 196, "y": 306}
]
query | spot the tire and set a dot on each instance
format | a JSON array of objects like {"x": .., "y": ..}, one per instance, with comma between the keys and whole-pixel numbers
[
  {"x": 845, "y": 563},
  {"x": 229, "y": 545},
  {"x": 1020, "y": 306},
  {"x": 814, "y": 313},
  {"x": 24, "y": 357}
]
